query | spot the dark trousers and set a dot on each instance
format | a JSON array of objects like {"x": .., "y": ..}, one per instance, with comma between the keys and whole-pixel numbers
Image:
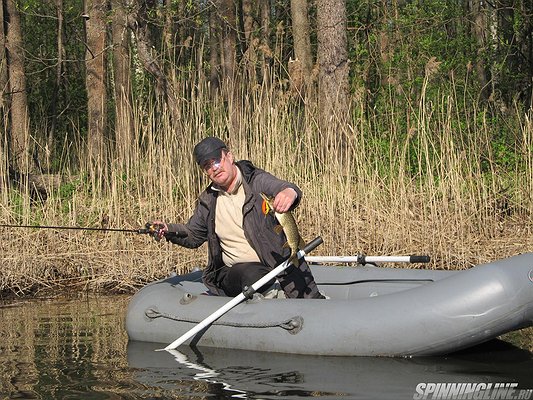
[{"x": 233, "y": 280}]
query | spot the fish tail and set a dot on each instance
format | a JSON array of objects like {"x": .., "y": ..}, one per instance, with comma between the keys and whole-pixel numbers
[{"x": 293, "y": 258}]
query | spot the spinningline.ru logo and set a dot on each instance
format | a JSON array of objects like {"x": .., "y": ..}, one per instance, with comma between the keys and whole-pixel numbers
[{"x": 477, "y": 391}]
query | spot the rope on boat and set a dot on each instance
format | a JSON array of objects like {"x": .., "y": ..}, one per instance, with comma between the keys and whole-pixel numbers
[{"x": 292, "y": 325}]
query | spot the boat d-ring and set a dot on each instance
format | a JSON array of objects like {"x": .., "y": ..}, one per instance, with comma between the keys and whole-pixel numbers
[
  {"x": 530, "y": 275},
  {"x": 151, "y": 313}
]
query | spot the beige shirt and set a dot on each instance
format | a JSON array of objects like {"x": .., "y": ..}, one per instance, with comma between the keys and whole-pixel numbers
[{"x": 228, "y": 226}]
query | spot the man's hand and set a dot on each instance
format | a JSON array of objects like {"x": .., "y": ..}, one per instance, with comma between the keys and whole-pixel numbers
[
  {"x": 284, "y": 200},
  {"x": 158, "y": 229}
]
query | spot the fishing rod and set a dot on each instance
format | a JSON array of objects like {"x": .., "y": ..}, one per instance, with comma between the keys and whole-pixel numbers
[
  {"x": 80, "y": 228},
  {"x": 149, "y": 229}
]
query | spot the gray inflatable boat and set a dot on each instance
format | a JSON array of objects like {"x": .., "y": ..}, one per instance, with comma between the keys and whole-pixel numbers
[{"x": 371, "y": 311}]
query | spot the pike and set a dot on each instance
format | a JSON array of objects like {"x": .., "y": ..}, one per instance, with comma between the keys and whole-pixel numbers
[{"x": 287, "y": 224}]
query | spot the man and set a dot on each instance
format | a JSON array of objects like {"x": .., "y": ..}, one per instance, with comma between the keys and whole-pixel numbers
[{"x": 242, "y": 243}]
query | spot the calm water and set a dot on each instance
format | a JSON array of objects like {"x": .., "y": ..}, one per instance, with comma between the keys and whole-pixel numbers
[{"x": 73, "y": 349}]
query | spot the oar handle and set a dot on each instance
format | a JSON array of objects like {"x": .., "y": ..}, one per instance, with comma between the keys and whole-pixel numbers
[
  {"x": 362, "y": 259},
  {"x": 407, "y": 259},
  {"x": 419, "y": 259},
  {"x": 313, "y": 244}
]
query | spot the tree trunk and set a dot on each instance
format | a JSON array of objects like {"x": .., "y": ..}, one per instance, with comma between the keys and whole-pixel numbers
[
  {"x": 227, "y": 20},
  {"x": 214, "y": 53},
  {"x": 250, "y": 12},
  {"x": 168, "y": 32},
  {"x": 479, "y": 21},
  {"x": 265, "y": 39},
  {"x": 3, "y": 63},
  {"x": 20, "y": 137},
  {"x": 332, "y": 57},
  {"x": 95, "y": 80},
  {"x": 137, "y": 22},
  {"x": 121, "y": 67},
  {"x": 228, "y": 44},
  {"x": 302, "y": 65},
  {"x": 525, "y": 43},
  {"x": 3, "y": 103},
  {"x": 61, "y": 55}
]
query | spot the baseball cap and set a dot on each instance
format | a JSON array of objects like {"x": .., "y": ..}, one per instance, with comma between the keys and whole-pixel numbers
[{"x": 208, "y": 149}]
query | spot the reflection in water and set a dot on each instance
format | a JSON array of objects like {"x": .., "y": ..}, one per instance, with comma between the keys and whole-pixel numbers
[
  {"x": 62, "y": 348},
  {"x": 70, "y": 349},
  {"x": 269, "y": 375},
  {"x": 206, "y": 374}
]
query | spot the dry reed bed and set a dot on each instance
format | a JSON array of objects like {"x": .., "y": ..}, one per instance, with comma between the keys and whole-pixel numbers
[{"x": 432, "y": 187}]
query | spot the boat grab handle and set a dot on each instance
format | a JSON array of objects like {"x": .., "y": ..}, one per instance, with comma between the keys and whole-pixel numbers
[{"x": 292, "y": 325}]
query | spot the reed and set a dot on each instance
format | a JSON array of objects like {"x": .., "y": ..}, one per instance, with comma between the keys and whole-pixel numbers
[{"x": 423, "y": 178}]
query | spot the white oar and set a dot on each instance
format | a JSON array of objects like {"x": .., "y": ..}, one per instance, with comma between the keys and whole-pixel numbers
[
  {"x": 362, "y": 259},
  {"x": 241, "y": 297}
]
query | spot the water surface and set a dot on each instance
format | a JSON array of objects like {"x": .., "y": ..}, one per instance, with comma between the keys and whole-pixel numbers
[{"x": 78, "y": 348}]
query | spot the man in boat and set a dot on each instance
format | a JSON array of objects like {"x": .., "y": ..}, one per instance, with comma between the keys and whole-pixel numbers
[{"x": 242, "y": 243}]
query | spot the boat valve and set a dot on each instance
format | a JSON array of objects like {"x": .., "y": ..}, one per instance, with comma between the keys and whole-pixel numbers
[{"x": 187, "y": 298}]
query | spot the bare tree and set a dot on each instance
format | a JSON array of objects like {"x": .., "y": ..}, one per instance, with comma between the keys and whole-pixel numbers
[
  {"x": 60, "y": 70},
  {"x": 169, "y": 33},
  {"x": 332, "y": 55},
  {"x": 224, "y": 24},
  {"x": 95, "y": 79},
  {"x": 228, "y": 39},
  {"x": 3, "y": 61},
  {"x": 481, "y": 34},
  {"x": 148, "y": 56},
  {"x": 300, "y": 68},
  {"x": 250, "y": 12},
  {"x": 20, "y": 135},
  {"x": 122, "y": 79},
  {"x": 525, "y": 42},
  {"x": 3, "y": 103},
  {"x": 214, "y": 52},
  {"x": 265, "y": 46}
]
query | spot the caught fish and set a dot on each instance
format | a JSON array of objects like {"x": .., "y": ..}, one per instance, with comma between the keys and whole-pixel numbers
[{"x": 287, "y": 224}]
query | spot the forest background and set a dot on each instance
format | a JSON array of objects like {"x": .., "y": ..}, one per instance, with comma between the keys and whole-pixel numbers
[{"x": 406, "y": 123}]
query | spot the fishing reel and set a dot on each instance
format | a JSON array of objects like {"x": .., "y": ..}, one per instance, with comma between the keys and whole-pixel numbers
[
  {"x": 160, "y": 231},
  {"x": 154, "y": 230}
]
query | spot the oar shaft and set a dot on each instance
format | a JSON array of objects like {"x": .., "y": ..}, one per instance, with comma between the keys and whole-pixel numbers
[
  {"x": 361, "y": 259},
  {"x": 206, "y": 322},
  {"x": 239, "y": 298},
  {"x": 228, "y": 306}
]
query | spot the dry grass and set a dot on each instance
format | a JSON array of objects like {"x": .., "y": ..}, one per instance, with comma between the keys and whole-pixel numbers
[{"x": 432, "y": 185}]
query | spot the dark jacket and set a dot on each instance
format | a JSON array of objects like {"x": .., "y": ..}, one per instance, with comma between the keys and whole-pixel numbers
[{"x": 258, "y": 230}]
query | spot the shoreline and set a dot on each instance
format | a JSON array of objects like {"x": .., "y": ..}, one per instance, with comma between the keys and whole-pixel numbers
[{"x": 46, "y": 264}]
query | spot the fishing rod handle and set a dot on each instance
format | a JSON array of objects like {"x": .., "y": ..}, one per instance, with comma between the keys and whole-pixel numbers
[
  {"x": 155, "y": 231},
  {"x": 176, "y": 234}
]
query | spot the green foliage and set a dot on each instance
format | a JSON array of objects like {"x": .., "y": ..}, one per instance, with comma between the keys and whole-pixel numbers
[
  {"x": 17, "y": 206},
  {"x": 67, "y": 190},
  {"x": 403, "y": 56}
]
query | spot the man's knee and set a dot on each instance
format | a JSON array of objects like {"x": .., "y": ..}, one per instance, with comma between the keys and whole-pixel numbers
[{"x": 241, "y": 275}]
